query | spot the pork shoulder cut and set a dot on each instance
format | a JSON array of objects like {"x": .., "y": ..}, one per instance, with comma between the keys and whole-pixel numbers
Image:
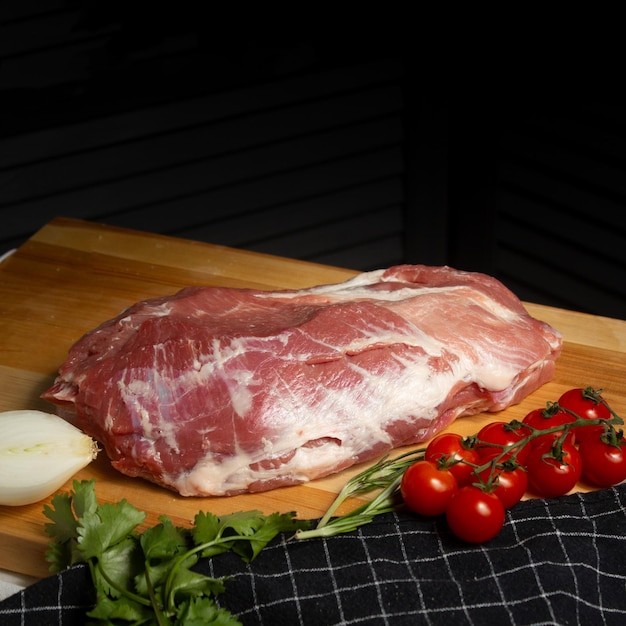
[{"x": 218, "y": 391}]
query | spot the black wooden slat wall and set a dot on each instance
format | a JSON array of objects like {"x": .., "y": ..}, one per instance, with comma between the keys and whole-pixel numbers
[
  {"x": 561, "y": 207},
  {"x": 307, "y": 164},
  {"x": 537, "y": 195},
  {"x": 268, "y": 156},
  {"x": 353, "y": 150},
  {"x": 249, "y": 173}
]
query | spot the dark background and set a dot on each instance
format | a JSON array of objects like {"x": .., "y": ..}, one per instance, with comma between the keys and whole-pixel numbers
[{"x": 351, "y": 147}]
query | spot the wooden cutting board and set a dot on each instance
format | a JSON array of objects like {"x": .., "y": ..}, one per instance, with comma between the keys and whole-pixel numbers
[{"x": 72, "y": 275}]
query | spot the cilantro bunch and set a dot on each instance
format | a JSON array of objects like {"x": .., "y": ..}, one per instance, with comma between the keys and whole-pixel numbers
[{"x": 148, "y": 578}]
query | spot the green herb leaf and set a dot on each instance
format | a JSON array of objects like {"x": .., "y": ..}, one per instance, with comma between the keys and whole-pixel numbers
[
  {"x": 84, "y": 499},
  {"x": 120, "y": 563},
  {"x": 108, "y": 609},
  {"x": 270, "y": 527},
  {"x": 62, "y": 552},
  {"x": 202, "y": 611},
  {"x": 148, "y": 577},
  {"x": 190, "y": 583},
  {"x": 163, "y": 540},
  {"x": 206, "y": 530},
  {"x": 108, "y": 524},
  {"x": 64, "y": 524}
]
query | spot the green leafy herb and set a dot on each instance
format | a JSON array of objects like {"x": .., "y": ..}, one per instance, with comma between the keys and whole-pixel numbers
[{"x": 148, "y": 577}]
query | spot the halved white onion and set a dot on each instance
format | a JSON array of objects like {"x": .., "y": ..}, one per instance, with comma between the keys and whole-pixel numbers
[{"x": 39, "y": 452}]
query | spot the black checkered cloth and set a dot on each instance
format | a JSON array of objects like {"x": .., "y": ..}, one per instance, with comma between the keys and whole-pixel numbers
[{"x": 560, "y": 561}]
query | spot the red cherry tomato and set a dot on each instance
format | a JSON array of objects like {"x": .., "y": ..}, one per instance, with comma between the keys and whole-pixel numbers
[
  {"x": 542, "y": 419},
  {"x": 452, "y": 450},
  {"x": 426, "y": 489},
  {"x": 494, "y": 436},
  {"x": 474, "y": 515},
  {"x": 548, "y": 476},
  {"x": 587, "y": 432},
  {"x": 604, "y": 464},
  {"x": 508, "y": 485},
  {"x": 588, "y": 404},
  {"x": 585, "y": 403}
]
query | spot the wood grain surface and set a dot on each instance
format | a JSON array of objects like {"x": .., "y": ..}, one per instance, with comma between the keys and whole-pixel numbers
[{"x": 72, "y": 275}]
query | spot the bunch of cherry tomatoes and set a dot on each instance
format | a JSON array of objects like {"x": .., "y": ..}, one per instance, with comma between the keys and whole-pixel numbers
[{"x": 473, "y": 480}]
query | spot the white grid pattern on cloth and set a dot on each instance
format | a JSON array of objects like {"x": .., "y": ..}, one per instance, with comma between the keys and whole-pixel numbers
[
  {"x": 410, "y": 567},
  {"x": 331, "y": 571},
  {"x": 538, "y": 571},
  {"x": 555, "y": 562},
  {"x": 597, "y": 561}
]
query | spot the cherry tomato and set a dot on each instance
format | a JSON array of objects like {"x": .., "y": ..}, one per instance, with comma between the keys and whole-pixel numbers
[
  {"x": 426, "y": 489},
  {"x": 501, "y": 434},
  {"x": 508, "y": 485},
  {"x": 474, "y": 515},
  {"x": 604, "y": 464},
  {"x": 588, "y": 404},
  {"x": 547, "y": 418},
  {"x": 548, "y": 476},
  {"x": 452, "y": 450},
  {"x": 587, "y": 432}
]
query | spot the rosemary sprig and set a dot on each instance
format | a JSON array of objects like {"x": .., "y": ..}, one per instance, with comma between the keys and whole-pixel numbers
[{"x": 385, "y": 475}]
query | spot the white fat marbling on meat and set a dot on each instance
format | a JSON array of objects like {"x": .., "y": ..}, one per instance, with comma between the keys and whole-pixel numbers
[{"x": 250, "y": 389}]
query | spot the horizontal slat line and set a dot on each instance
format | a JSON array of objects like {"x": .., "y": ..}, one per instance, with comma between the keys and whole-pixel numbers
[
  {"x": 579, "y": 135},
  {"x": 116, "y": 127},
  {"x": 583, "y": 267},
  {"x": 351, "y": 231},
  {"x": 308, "y": 243},
  {"x": 343, "y": 172},
  {"x": 29, "y": 35},
  {"x": 304, "y": 210},
  {"x": 566, "y": 166},
  {"x": 315, "y": 184},
  {"x": 299, "y": 118},
  {"x": 600, "y": 239},
  {"x": 27, "y": 10},
  {"x": 530, "y": 291},
  {"x": 554, "y": 252},
  {"x": 329, "y": 224},
  {"x": 376, "y": 131},
  {"x": 606, "y": 115},
  {"x": 559, "y": 287},
  {"x": 236, "y": 167},
  {"x": 115, "y": 164},
  {"x": 364, "y": 257},
  {"x": 29, "y": 38},
  {"x": 571, "y": 197}
]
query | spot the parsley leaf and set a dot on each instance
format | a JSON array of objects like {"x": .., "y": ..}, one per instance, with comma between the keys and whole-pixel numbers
[
  {"x": 200, "y": 611},
  {"x": 108, "y": 609},
  {"x": 108, "y": 524},
  {"x": 163, "y": 540},
  {"x": 116, "y": 567},
  {"x": 148, "y": 577},
  {"x": 64, "y": 523},
  {"x": 62, "y": 551}
]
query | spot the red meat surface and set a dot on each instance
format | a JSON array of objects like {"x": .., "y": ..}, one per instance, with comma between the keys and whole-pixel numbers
[{"x": 217, "y": 391}]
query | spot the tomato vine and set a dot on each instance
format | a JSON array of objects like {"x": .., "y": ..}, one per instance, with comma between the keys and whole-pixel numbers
[{"x": 546, "y": 453}]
